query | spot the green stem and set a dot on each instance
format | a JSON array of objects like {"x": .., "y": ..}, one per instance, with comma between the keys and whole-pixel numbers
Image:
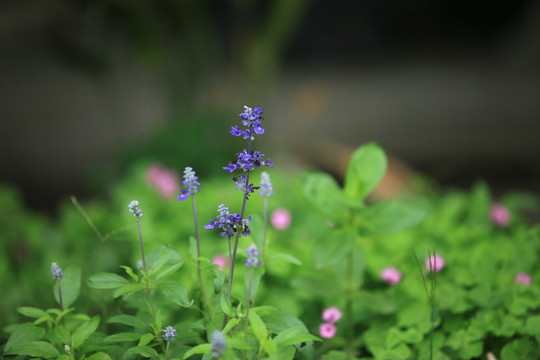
[
  {"x": 265, "y": 230},
  {"x": 248, "y": 301},
  {"x": 167, "y": 351},
  {"x": 201, "y": 282}
]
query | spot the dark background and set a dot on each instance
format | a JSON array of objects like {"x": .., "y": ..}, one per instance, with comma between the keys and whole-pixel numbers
[{"x": 450, "y": 88}]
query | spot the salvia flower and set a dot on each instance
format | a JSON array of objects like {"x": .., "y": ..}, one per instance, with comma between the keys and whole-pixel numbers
[
  {"x": 266, "y": 188},
  {"x": 281, "y": 219},
  {"x": 391, "y": 275},
  {"x": 229, "y": 223},
  {"x": 57, "y": 273},
  {"x": 248, "y": 161},
  {"x": 253, "y": 256},
  {"x": 434, "y": 263},
  {"x": 523, "y": 278},
  {"x": 327, "y": 330},
  {"x": 170, "y": 333},
  {"x": 251, "y": 119},
  {"x": 499, "y": 215},
  {"x": 190, "y": 181},
  {"x": 331, "y": 314},
  {"x": 134, "y": 209},
  {"x": 219, "y": 344},
  {"x": 242, "y": 185}
]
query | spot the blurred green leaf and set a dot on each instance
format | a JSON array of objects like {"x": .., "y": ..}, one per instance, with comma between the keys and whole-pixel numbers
[
  {"x": 129, "y": 320},
  {"x": 258, "y": 326},
  {"x": 366, "y": 169},
  {"x": 24, "y": 333},
  {"x": 391, "y": 217},
  {"x": 82, "y": 333},
  {"x": 34, "y": 348},
  {"x": 199, "y": 349},
  {"x": 123, "y": 337},
  {"x": 175, "y": 292},
  {"x": 71, "y": 286},
  {"x": 106, "y": 281}
]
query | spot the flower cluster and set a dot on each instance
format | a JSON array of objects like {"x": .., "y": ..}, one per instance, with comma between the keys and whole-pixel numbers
[
  {"x": 57, "y": 273},
  {"x": 434, "y": 263},
  {"x": 164, "y": 180},
  {"x": 251, "y": 119},
  {"x": 253, "y": 256},
  {"x": 330, "y": 316},
  {"x": 391, "y": 275},
  {"x": 248, "y": 161},
  {"x": 219, "y": 344},
  {"x": 170, "y": 333},
  {"x": 229, "y": 223},
  {"x": 266, "y": 188},
  {"x": 242, "y": 185},
  {"x": 190, "y": 181},
  {"x": 134, "y": 209}
]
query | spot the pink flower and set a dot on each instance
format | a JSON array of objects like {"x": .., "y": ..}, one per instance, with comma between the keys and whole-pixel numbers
[
  {"x": 391, "y": 275},
  {"x": 220, "y": 260},
  {"x": 332, "y": 314},
  {"x": 327, "y": 330},
  {"x": 523, "y": 278},
  {"x": 281, "y": 219},
  {"x": 499, "y": 215},
  {"x": 434, "y": 262},
  {"x": 164, "y": 180}
]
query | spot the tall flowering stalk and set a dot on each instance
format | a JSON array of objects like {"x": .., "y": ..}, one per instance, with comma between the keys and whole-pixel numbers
[
  {"x": 266, "y": 191},
  {"x": 169, "y": 334},
  {"x": 234, "y": 225},
  {"x": 58, "y": 274},
  {"x": 193, "y": 186},
  {"x": 251, "y": 262}
]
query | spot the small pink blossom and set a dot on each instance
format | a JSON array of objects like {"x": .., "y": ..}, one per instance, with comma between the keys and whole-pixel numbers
[
  {"x": 523, "y": 278},
  {"x": 327, "y": 330},
  {"x": 499, "y": 215},
  {"x": 164, "y": 180},
  {"x": 332, "y": 314},
  {"x": 391, "y": 275},
  {"x": 220, "y": 260},
  {"x": 281, "y": 219},
  {"x": 434, "y": 262}
]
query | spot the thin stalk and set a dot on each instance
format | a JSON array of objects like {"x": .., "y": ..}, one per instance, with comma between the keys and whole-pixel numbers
[
  {"x": 265, "y": 229},
  {"x": 142, "y": 246},
  {"x": 60, "y": 300},
  {"x": 167, "y": 351},
  {"x": 203, "y": 291},
  {"x": 248, "y": 301}
]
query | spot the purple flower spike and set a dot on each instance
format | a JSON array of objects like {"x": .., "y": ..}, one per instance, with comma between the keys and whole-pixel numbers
[
  {"x": 190, "y": 181},
  {"x": 170, "y": 333},
  {"x": 57, "y": 273}
]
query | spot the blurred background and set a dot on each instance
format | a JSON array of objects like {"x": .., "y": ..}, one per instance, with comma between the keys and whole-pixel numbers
[{"x": 88, "y": 87}]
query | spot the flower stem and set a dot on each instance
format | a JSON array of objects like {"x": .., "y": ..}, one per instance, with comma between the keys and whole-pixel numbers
[
  {"x": 60, "y": 300},
  {"x": 265, "y": 229},
  {"x": 142, "y": 246},
  {"x": 167, "y": 351},
  {"x": 203, "y": 291},
  {"x": 248, "y": 301}
]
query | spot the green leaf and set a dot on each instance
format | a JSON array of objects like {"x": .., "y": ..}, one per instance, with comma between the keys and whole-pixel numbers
[
  {"x": 391, "y": 217},
  {"x": 199, "y": 349},
  {"x": 106, "y": 281},
  {"x": 71, "y": 286},
  {"x": 130, "y": 272},
  {"x": 287, "y": 353},
  {"x": 163, "y": 255},
  {"x": 175, "y": 292},
  {"x": 294, "y": 335},
  {"x": 520, "y": 349},
  {"x": 24, "y": 333},
  {"x": 366, "y": 169},
  {"x": 34, "y": 348},
  {"x": 32, "y": 312},
  {"x": 100, "y": 356},
  {"x": 230, "y": 324},
  {"x": 286, "y": 257},
  {"x": 63, "y": 333},
  {"x": 338, "y": 355},
  {"x": 84, "y": 331},
  {"x": 324, "y": 193},
  {"x": 168, "y": 270},
  {"x": 270, "y": 347},
  {"x": 145, "y": 339},
  {"x": 128, "y": 320},
  {"x": 258, "y": 326},
  {"x": 144, "y": 351},
  {"x": 123, "y": 337},
  {"x": 127, "y": 289},
  {"x": 226, "y": 306}
]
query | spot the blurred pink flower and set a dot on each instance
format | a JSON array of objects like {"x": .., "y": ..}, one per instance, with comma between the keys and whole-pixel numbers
[
  {"x": 220, "y": 260},
  {"x": 434, "y": 262},
  {"x": 164, "y": 180},
  {"x": 281, "y": 219},
  {"x": 327, "y": 330},
  {"x": 523, "y": 278},
  {"x": 332, "y": 314},
  {"x": 499, "y": 215},
  {"x": 391, "y": 275}
]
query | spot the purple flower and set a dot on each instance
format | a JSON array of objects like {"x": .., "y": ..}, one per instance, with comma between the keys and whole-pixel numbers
[
  {"x": 170, "y": 333},
  {"x": 331, "y": 315},
  {"x": 248, "y": 161},
  {"x": 134, "y": 209},
  {"x": 523, "y": 278},
  {"x": 251, "y": 119},
  {"x": 391, "y": 275},
  {"x": 240, "y": 181},
  {"x": 57, "y": 273},
  {"x": 229, "y": 223},
  {"x": 499, "y": 215},
  {"x": 253, "y": 256},
  {"x": 327, "y": 330},
  {"x": 190, "y": 181},
  {"x": 266, "y": 188},
  {"x": 219, "y": 344},
  {"x": 434, "y": 263}
]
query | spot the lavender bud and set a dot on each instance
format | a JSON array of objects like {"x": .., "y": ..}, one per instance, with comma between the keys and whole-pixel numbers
[
  {"x": 267, "y": 189},
  {"x": 218, "y": 344},
  {"x": 57, "y": 273},
  {"x": 170, "y": 333},
  {"x": 134, "y": 209}
]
